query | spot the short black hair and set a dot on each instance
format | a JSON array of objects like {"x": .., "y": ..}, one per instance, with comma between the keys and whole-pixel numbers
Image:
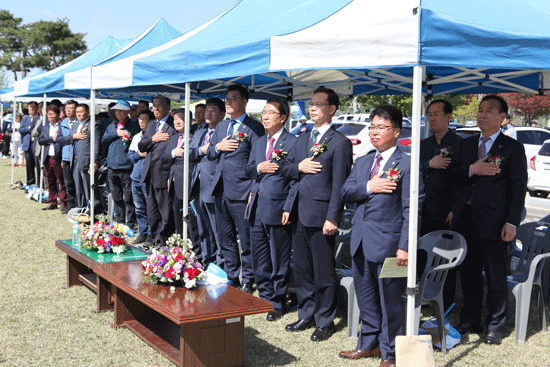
[
  {"x": 239, "y": 88},
  {"x": 283, "y": 106},
  {"x": 71, "y": 101},
  {"x": 165, "y": 100},
  {"x": 148, "y": 113},
  {"x": 390, "y": 113},
  {"x": 216, "y": 102},
  {"x": 56, "y": 102},
  {"x": 144, "y": 101},
  {"x": 332, "y": 97},
  {"x": 447, "y": 107},
  {"x": 181, "y": 113},
  {"x": 32, "y": 102},
  {"x": 111, "y": 105},
  {"x": 86, "y": 107},
  {"x": 200, "y": 105},
  {"x": 503, "y": 105},
  {"x": 54, "y": 108}
]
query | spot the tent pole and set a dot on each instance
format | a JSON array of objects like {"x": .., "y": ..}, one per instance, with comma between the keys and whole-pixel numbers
[
  {"x": 418, "y": 77},
  {"x": 186, "y": 162},
  {"x": 44, "y": 122},
  {"x": 92, "y": 155},
  {"x": 13, "y": 150}
]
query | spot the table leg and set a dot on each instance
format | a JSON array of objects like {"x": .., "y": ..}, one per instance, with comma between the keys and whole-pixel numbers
[
  {"x": 104, "y": 302},
  {"x": 74, "y": 269}
]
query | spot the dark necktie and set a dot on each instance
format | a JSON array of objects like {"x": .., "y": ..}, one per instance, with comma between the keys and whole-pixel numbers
[
  {"x": 231, "y": 129},
  {"x": 376, "y": 166},
  {"x": 158, "y": 126},
  {"x": 482, "y": 151},
  {"x": 270, "y": 150},
  {"x": 312, "y": 142}
]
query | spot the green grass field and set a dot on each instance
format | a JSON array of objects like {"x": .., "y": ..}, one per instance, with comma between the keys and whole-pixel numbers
[{"x": 44, "y": 324}]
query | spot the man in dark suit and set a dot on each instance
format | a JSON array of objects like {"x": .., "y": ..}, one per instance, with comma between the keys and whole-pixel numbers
[
  {"x": 270, "y": 231},
  {"x": 155, "y": 172},
  {"x": 27, "y": 125},
  {"x": 321, "y": 161},
  {"x": 51, "y": 138},
  {"x": 439, "y": 158},
  {"x": 230, "y": 146},
  {"x": 174, "y": 155},
  {"x": 380, "y": 186},
  {"x": 486, "y": 210},
  {"x": 201, "y": 182}
]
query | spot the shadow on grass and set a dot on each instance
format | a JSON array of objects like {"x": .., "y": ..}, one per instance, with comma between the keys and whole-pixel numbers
[
  {"x": 258, "y": 352},
  {"x": 458, "y": 361}
]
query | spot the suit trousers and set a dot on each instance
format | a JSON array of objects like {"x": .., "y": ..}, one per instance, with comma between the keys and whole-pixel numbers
[
  {"x": 192, "y": 230},
  {"x": 30, "y": 166},
  {"x": 82, "y": 185},
  {"x": 56, "y": 182},
  {"x": 230, "y": 217},
  {"x": 120, "y": 184},
  {"x": 69, "y": 185},
  {"x": 488, "y": 254},
  {"x": 270, "y": 248},
  {"x": 206, "y": 223},
  {"x": 381, "y": 305},
  {"x": 315, "y": 274},
  {"x": 159, "y": 212}
]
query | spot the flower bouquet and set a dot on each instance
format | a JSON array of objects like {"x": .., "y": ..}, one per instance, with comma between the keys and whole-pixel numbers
[
  {"x": 174, "y": 263},
  {"x": 318, "y": 148},
  {"x": 126, "y": 139},
  {"x": 241, "y": 137},
  {"x": 103, "y": 237}
]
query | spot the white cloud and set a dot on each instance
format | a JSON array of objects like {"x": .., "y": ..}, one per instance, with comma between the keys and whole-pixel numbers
[
  {"x": 46, "y": 14},
  {"x": 103, "y": 17}
]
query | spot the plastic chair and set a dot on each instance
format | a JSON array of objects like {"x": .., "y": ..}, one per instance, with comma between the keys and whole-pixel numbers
[
  {"x": 445, "y": 250},
  {"x": 535, "y": 241}
]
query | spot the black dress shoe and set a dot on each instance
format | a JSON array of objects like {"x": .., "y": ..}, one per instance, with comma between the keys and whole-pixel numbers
[
  {"x": 141, "y": 238},
  {"x": 469, "y": 328},
  {"x": 50, "y": 207},
  {"x": 493, "y": 337},
  {"x": 275, "y": 315},
  {"x": 322, "y": 333},
  {"x": 300, "y": 325},
  {"x": 247, "y": 288}
]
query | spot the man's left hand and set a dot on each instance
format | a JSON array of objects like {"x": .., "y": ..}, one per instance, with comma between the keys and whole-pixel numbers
[
  {"x": 178, "y": 151},
  {"x": 402, "y": 257},
  {"x": 121, "y": 132},
  {"x": 508, "y": 232},
  {"x": 330, "y": 227}
]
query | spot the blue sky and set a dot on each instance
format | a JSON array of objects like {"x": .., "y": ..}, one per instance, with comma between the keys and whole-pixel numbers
[{"x": 120, "y": 19}]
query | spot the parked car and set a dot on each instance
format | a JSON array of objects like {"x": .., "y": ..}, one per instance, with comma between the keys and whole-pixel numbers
[
  {"x": 358, "y": 133},
  {"x": 532, "y": 138},
  {"x": 538, "y": 183}
]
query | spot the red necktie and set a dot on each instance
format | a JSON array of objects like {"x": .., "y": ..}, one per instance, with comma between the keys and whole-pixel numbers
[
  {"x": 207, "y": 137},
  {"x": 270, "y": 151},
  {"x": 376, "y": 167}
]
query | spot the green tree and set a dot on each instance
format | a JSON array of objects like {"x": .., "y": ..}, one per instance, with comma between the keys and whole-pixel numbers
[
  {"x": 14, "y": 51},
  {"x": 468, "y": 111},
  {"x": 3, "y": 79}
]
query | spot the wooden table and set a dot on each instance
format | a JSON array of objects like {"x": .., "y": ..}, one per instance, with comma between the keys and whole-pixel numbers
[
  {"x": 81, "y": 265},
  {"x": 197, "y": 327}
]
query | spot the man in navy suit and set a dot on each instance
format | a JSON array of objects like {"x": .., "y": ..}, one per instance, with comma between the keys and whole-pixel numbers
[
  {"x": 51, "y": 138},
  {"x": 270, "y": 230},
  {"x": 155, "y": 172},
  {"x": 321, "y": 161},
  {"x": 201, "y": 181},
  {"x": 27, "y": 125},
  {"x": 380, "y": 186},
  {"x": 486, "y": 210},
  {"x": 230, "y": 146}
]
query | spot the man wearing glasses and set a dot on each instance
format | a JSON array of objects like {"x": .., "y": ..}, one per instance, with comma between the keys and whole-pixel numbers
[
  {"x": 320, "y": 161},
  {"x": 380, "y": 184},
  {"x": 230, "y": 145}
]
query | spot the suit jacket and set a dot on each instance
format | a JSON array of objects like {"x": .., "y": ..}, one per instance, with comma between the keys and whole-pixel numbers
[
  {"x": 270, "y": 191},
  {"x": 204, "y": 169},
  {"x": 27, "y": 124},
  {"x": 176, "y": 168},
  {"x": 46, "y": 141},
  {"x": 495, "y": 200},
  {"x": 230, "y": 178},
  {"x": 154, "y": 170},
  {"x": 381, "y": 221},
  {"x": 439, "y": 184},
  {"x": 319, "y": 194},
  {"x": 82, "y": 146}
]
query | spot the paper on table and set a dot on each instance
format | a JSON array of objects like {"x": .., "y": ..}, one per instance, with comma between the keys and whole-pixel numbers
[{"x": 391, "y": 270}]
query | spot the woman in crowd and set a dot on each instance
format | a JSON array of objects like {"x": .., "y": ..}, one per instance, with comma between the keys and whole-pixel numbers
[{"x": 17, "y": 153}]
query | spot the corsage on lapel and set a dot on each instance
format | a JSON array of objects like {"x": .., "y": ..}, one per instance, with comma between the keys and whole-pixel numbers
[
  {"x": 394, "y": 174},
  {"x": 319, "y": 148},
  {"x": 241, "y": 136},
  {"x": 495, "y": 159},
  {"x": 445, "y": 152},
  {"x": 278, "y": 154}
]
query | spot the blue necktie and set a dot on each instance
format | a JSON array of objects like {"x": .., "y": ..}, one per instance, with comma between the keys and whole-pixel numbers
[
  {"x": 231, "y": 129},
  {"x": 158, "y": 126}
]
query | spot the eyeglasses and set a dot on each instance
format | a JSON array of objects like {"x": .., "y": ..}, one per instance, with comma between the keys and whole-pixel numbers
[
  {"x": 316, "y": 104},
  {"x": 380, "y": 128},
  {"x": 269, "y": 113},
  {"x": 232, "y": 99}
]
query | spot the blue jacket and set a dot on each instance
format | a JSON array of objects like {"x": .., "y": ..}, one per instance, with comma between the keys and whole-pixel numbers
[
  {"x": 27, "y": 124},
  {"x": 65, "y": 130},
  {"x": 117, "y": 156},
  {"x": 46, "y": 141},
  {"x": 7, "y": 124}
]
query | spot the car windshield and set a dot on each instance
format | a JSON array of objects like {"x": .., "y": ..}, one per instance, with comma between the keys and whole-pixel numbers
[
  {"x": 545, "y": 150},
  {"x": 351, "y": 129}
]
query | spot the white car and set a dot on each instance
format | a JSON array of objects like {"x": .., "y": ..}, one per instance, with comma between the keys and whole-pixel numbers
[
  {"x": 358, "y": 133},
  {"x": 538, "y": 183},
  {"x": 531, "y": 137}
]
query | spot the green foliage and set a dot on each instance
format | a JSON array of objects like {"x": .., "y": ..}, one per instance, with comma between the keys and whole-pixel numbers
[
  {"x": 43, "y": 44},
  {"x": 468, "y": 111},
  {"x": 3, "y": 79}
]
